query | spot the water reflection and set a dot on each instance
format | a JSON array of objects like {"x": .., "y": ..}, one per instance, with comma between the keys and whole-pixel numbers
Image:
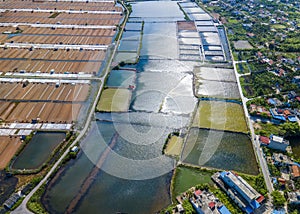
[{"x": 218, "y": 149}]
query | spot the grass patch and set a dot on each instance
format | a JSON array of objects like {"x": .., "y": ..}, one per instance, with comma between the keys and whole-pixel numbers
[
  {"x": 114, "y": 100},
  {"x": 242, "y": 68},
  {"x": 220, "y": 115},
  {"x": 279, "y": 26},
  {"x": 187, "y": 177},
  {"x": 285, "y": 129},
  {"x": 34, "y": 204},
  {"x": 232, "y": 21},
  {"x": 257, "y": 182},
  {"x": 174, "y": 146},
  {"x": 54, "y": 15},
  {"x": 242, "y": 45}
]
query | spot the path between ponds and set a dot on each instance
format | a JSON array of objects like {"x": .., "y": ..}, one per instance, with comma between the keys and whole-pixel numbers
[{"x": 91, "y": 177}]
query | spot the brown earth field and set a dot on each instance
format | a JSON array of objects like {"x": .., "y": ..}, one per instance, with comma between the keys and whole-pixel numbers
[
  {"x": 185, "y": 25},
  {"x": 100, "y": 6},
  {"x": 46, "y": 54},
  {"x": 71, "y": 19},
  {"x": 44, "y": 91},
  {"x": 8, "y": 148},
  {"x": 46, "y": 112},
  {"x": 55, "y": 39},
  {"x": 46, "y": 66}
]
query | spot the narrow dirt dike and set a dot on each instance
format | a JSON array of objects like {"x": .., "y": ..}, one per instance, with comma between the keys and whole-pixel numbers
[{"x": 91, "y": 177}]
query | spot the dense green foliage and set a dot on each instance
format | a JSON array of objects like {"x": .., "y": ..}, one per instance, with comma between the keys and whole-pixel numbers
[
  {"x": 188, "y": 208},
  {"x": 278, "y": 199},
  {"x": 284, "y": 129},
  {"x": 34, "y": 204},
  {"x": 226, "y": 201},
  {"x": 273, "y": 170},
  {"x": 257, "y": 182}
]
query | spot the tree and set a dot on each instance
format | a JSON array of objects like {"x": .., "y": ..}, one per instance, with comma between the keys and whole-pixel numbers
[
  {"x": 202, "y": 186},
  {"x": 273, "y": 170},
  {"x": 278, "y": 199},
  {"x": 260, "y": 184},
  {"x": 188, "y": 208}
]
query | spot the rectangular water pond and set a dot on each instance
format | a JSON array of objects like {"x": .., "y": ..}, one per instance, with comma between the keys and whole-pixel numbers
[
  {"x": 127, "y": 57},
  {"x": 121, "y": 78},
  {"x": 136, "y": 26},
  {"x": 131, "y": 35},
  {"x": 221, "y": 150},
  {"x": 129, "y": 45},
  {"x": 38, "y": 150},
  {"x": 217, "y": 89}
]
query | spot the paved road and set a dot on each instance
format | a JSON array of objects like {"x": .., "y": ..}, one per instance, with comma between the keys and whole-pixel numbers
[
  {"x": 22, "y": 209},
  {"x": 256, "y": 145}
]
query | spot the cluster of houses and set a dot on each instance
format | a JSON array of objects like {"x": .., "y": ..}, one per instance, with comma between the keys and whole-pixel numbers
[
  {"x": 276, "y": 66},
  {"x": 279, "y": 112},
  {"x": 274, "y": 142},
  {"x": 289, "y": 170},
  {"x": 259, "y": 10},
  {"x": 244, "y": 195},
  {"x": 277, "y": 22},
  {"x": 203, "y": 202}
]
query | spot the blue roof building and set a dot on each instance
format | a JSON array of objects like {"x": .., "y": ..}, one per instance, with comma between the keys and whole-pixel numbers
[
  {"x": 277, "y": 116},
  {"x": 278, "y": 143},
  {"x": 292, "y": 118},
  {"x": 245, "y": 196},
  {"x": 224, "y": 210}
]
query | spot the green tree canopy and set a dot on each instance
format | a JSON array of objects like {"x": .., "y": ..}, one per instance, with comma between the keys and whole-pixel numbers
[{"x": 278, "y": 199}]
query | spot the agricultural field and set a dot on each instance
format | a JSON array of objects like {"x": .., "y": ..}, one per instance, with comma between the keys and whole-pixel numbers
[
  {"x": 45, "y": 111},
  {"x": 93, "y": 6},
  {"x": 220, "y": 115},
  {"x": 83, "y": 55},
  {"x": 54, "y": 39},
  {"x": 8, "y": 147},
  {"x": 62, "y": 18},
  {"x": 184, "y": 25},
  {"x": 242, "y": 45},
  {"x": 174, "y": 146},
  {"x": 44, "y": 60},
  {"x": 46, "y": 91},
  {"x": 46, "y": 66},
  {"x": 23, "y": 102},
  {"x": 114, "y": 100}
]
